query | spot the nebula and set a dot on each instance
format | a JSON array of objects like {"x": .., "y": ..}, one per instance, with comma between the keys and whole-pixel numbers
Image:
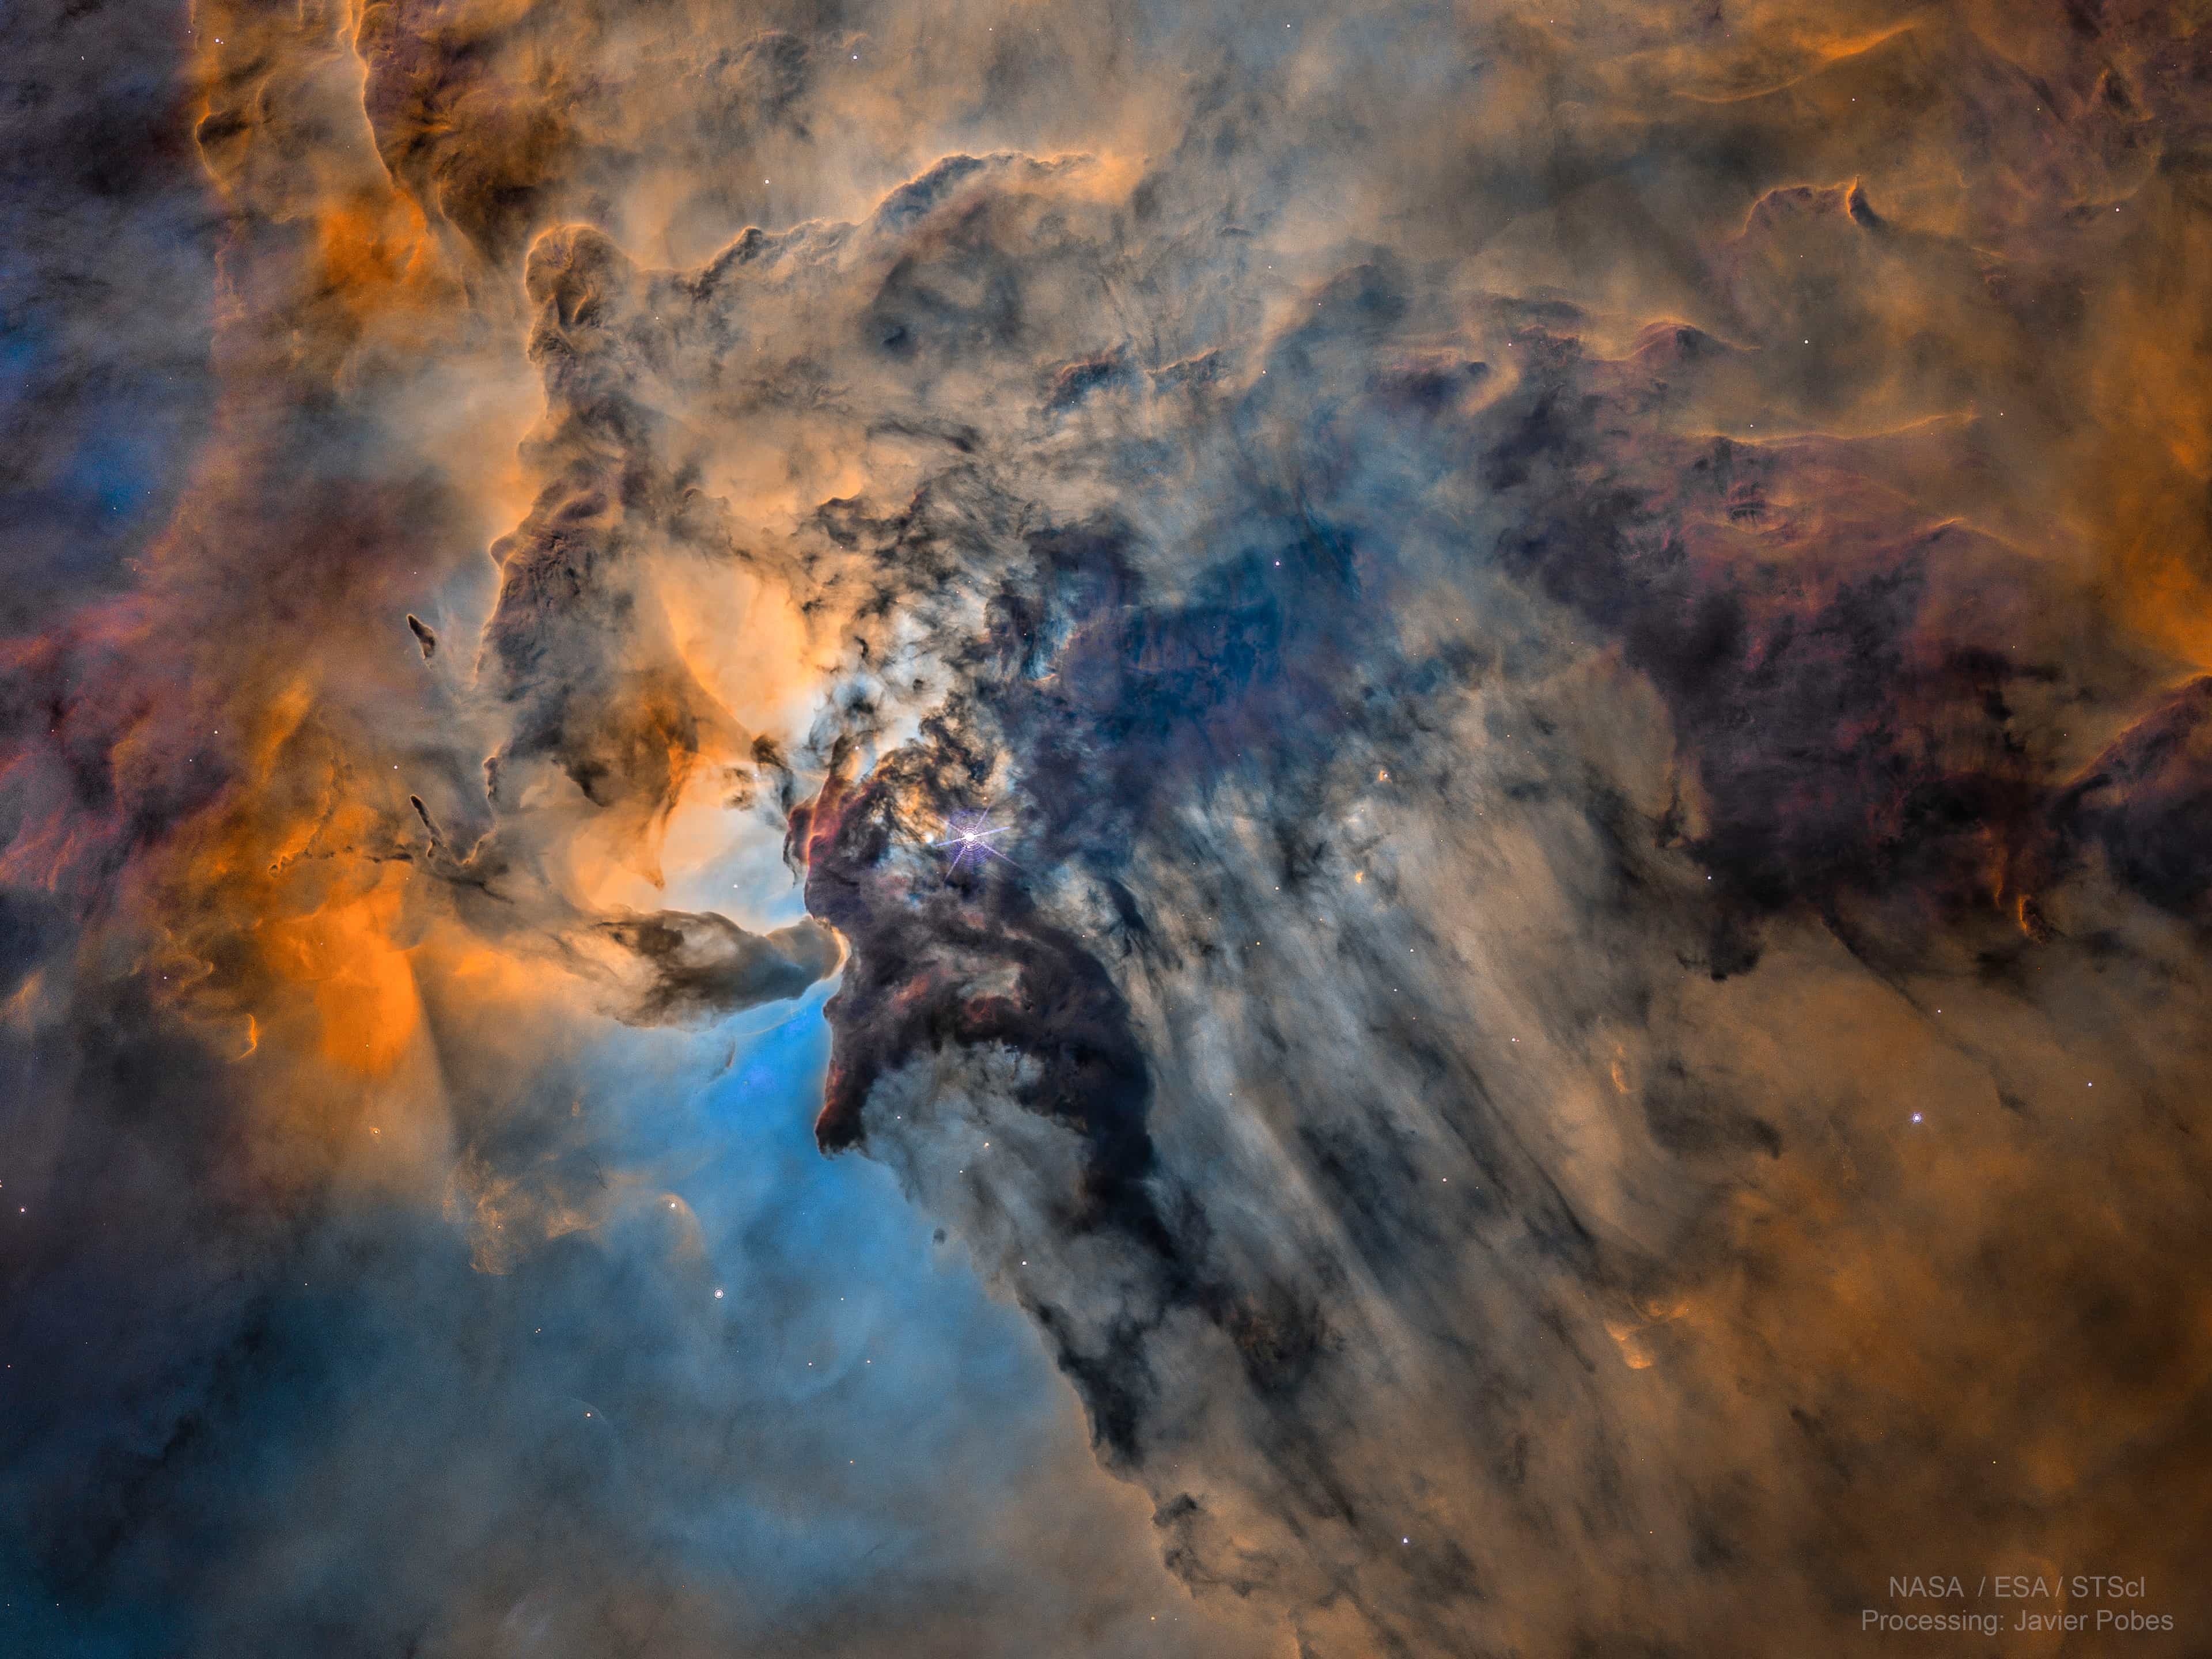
[{"x": 861, "y": 829}]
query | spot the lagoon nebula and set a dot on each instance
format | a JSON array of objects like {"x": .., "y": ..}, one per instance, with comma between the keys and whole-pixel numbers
[{"x": 860, "y": 828}]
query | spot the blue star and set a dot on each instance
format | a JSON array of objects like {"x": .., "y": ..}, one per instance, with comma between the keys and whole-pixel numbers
[{"x": 968, "y": 834}]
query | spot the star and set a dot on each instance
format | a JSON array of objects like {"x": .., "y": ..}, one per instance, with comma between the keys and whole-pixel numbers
[{"x": 968, "y": 835}]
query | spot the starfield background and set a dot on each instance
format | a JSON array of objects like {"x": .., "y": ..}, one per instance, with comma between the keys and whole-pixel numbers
[{"x": 974, "y": 829}]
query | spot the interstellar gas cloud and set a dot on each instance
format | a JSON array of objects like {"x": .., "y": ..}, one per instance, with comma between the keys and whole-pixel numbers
[{"x": 952, "y": 827}]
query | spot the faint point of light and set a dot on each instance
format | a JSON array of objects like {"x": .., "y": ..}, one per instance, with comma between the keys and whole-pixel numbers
[
  {"x": 1916, "y": 1117},
  {"x": 717, "y": 1295}
]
